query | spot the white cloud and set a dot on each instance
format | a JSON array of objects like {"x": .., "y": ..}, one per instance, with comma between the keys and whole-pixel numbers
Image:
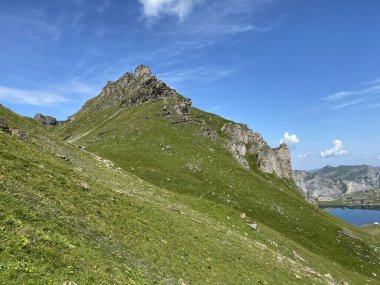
[
  {"x": 303, "y": 155},
  {"x": 36, "y": 98},
  {"x": 378, "y": 157},
  {"x": 336, "y": 150},
  {"x": 289, "y": 139},
  {"x": 157, "y": 8}
]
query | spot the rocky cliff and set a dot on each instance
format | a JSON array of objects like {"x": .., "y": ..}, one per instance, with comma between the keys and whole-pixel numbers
[
  {"x": 46, "y": 120},
  {"x": 334, "y": 182},
  {"x": 243, "y": 143}
]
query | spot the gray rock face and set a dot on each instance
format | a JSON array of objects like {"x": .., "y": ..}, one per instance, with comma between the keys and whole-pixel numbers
[
  {"x": 133, "y": 89},
  {"x": 334, "y": 182},
  {"x": 4, "y": 126},
  {"x": 243, "y": 142},
  {"x": 46, "y": 120}
]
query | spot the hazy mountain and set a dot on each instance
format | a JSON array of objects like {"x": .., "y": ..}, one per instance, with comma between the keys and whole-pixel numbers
[{"x": 333, "y": 182}]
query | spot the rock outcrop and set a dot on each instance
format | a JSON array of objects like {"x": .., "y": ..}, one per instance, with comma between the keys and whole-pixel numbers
[
  {"x": 4, "y": 126},
  {"x": 46, "y": 120},
  {"x": 243, "y": 143},
  {"x": 14, "y": 131},
  {"x": 132, "y": 90},
  {"x": 333, "y": 182}
]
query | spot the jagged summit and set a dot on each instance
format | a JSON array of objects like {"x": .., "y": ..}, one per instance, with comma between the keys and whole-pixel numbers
[
  {"x": 46, "y": 120},
  {"x": 143, "y": 70},
  {"x": 132, "y": 89}
]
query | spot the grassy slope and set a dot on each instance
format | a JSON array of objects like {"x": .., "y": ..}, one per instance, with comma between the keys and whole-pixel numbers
[
  {"x": 79, "y": 220},
  {"x": 373, "y": 230},
  {"x": 150, "y": 147}
]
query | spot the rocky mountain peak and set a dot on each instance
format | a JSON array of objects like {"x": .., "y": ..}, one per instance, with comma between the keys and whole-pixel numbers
[
  {"x": 142, "y": 71},
  {"x": 46, "y": 120},
  {"x": 132, "y": 89}
]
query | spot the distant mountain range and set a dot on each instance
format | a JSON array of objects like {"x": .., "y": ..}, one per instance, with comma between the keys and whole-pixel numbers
[{"x": 334, "y": 182}]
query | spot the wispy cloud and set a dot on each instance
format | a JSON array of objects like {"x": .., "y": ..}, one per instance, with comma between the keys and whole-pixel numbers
[
  {"x": 36, "y": 98},
  {"x": 369, "y": 95},
  {"x": 347, "y": 104},
  {"x": 31, "y": 24},
  {"x": 202, "y": 23},
  {"x": 156, "y": 8},
  {"x": 290, "y": 139},
  {"x": 203, "y": 73},
  {"x": 336, "y": 150}
]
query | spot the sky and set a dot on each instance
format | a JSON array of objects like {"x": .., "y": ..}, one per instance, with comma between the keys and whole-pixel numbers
[{"x": 302, "y": 72}]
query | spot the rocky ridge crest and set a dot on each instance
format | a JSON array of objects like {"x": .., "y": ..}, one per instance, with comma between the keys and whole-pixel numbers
[{"x": 132, "y": 90}]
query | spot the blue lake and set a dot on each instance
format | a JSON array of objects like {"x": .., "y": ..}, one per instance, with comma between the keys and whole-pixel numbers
[{"x": 356, "y": 217}]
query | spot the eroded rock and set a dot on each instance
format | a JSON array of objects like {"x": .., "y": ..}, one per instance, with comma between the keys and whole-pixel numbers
[
  {"x": 243, "y": 142},
  {"x": 46, "y": 120},
  {"x": 4, "y": 126}
]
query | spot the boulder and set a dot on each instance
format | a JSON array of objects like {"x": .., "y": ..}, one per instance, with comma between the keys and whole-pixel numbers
[
  {"x": 4, "y": 126},
  {"x": 253, "y": 226}
]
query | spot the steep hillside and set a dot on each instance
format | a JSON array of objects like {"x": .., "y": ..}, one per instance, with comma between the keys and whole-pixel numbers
[
  {"x": 71, "y": 217},
  {"x": 332, "y": 183},
  {"x": 148, "y": 129}
]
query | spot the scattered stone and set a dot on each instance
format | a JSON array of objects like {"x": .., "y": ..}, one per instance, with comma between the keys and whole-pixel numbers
[
  {"x": 4, "y": 126},
  {"x": 84, "y": 185},
  {"x": 243, "y": 215},
  {"x": 311, "y": 271},
  {"x": 328, "y": 275},
  {"x": 183, "y": 108},
  {"x": 69, "y": 283},
  {"x": 101, "y": 133},
  {"x": 209, "y": 132},
  {"x": 165, "y": 112},
  {"x": 61, "y": 156},
  {"x": 18, "y": 134},
  {"x": 300, "y": 258},
  {"x": 346, "y": 233},
  {"x": 253, "y": 226},
  {"x": 272, "y": 242},
  {"x": 260, "y": 245},
  {"x": 374, "y": 274},
  {"x": 344, "y": 282},
  {"x": 297, "y": 276}
]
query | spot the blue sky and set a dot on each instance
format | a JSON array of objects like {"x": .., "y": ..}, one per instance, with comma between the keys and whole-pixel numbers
[{"x": 305, "y": 72}]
